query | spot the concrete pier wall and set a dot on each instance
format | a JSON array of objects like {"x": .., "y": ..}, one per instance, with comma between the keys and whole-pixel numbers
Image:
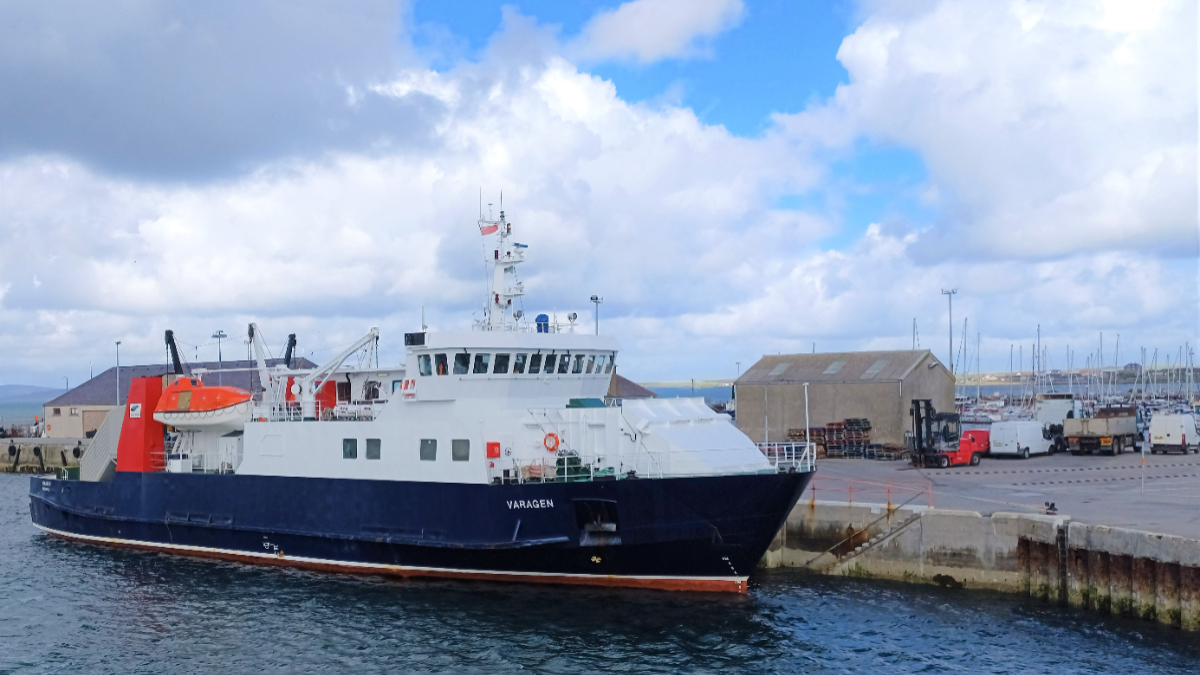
[
  {"x": 1050, "y": 558},
  {"x": 39, "y": 455}
]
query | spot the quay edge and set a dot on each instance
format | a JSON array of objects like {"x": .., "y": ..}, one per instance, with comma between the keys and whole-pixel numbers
[{"x": 1049, "y": 558}]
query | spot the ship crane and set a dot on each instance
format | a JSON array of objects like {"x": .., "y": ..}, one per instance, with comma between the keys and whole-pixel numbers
[{"x": 306, "y": 388}]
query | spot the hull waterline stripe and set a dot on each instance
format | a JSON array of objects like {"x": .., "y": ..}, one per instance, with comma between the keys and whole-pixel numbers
[{"x": 735, "y": 584}]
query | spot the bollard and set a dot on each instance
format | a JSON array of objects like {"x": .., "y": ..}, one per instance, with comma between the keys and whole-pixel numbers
[{"x": 1166, "y": 593}]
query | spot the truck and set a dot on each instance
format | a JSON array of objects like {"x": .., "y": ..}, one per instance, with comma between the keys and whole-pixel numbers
[
  {"x": 1052, "y": 410},
  {"x": 1111, "y": 430},
  {"x": 935, "y": 439},
  {"x": 1022, "y": 438},
  {"x": 1173, "y": 433}
]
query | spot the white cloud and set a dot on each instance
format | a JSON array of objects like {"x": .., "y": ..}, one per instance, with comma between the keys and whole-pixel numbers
[
  {"x": 1048, "y": 127},
  {"x": 651, "y": 30}
]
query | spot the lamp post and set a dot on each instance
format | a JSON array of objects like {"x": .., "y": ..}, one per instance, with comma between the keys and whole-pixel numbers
[
  {"x": 950, "y": 298},
  {"x": 118, "y": 372},
  {"x": 596, "y": 300},
  {"x": 219, "y": 335}
]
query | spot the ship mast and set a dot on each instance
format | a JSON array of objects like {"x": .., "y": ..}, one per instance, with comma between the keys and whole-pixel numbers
[{"x": 503, "y": 257}]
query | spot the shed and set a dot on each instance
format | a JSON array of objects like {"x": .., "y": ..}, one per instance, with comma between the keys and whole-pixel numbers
[{"x": 876, "y": 385}]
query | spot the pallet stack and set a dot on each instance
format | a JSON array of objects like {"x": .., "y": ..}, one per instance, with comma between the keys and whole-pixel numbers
[{"x": 817, "y": 434}]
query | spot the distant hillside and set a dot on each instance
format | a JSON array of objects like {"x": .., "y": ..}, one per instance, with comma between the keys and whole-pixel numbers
[{"x": 26, "y": 393}]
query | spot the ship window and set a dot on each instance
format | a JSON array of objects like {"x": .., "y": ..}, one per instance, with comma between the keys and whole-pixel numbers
[
  {"x": 428, "y": 449},
  {"x": 612, "y": 361},
  {"x": 343, "y": 391},
  {"x": 373, "y": 446},
  {"x": 423, "y": 365},
  {"x": 349, "y": 448},
  {"x": 535, "y": 364},
  {"x": 460, "y": 450},
  {"x": 440, "y": 362},
  {"x": 564, "y": 362},
  {"x": 591, "y": 363},
  {"x": 396, "y": 384},
  {"x": 519, "y": 364},
  {"x": 501, "y": 364},
  {"x": 548, "y": 367},
  {"x": 461, "y": 362},
  {"x": 600, "y": 363},
  {"x": 481, "y": 363},
  {"x": 578, "y": 367}
]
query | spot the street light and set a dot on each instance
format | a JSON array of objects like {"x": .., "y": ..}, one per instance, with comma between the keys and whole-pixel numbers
[
  {"x": 950, "y": 298},
  {"x": 597, "y": 300},
  {"x": 118, "y": 372},
  {"x": 219, "y": 335}
]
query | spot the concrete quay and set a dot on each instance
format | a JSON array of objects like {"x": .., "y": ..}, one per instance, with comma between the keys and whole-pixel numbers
[{"x": 1121, "y": 550}]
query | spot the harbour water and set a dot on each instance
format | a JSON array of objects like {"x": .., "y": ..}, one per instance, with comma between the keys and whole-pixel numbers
[{"x": 70, "y": 607}]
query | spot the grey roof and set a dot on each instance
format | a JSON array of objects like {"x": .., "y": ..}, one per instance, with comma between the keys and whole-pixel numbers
[
  {"x": 836, "y": 367},
  {"x": 102, "y": 389},
  {"x": 620, "y": 387}
]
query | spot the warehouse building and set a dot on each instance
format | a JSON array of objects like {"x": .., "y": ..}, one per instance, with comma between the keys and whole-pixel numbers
[
  {"x": 877, "y": 386},
  {"x": 79, "y": 412}
]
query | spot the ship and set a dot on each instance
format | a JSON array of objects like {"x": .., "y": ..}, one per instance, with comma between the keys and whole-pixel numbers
[{"x": 488, "y": 453}]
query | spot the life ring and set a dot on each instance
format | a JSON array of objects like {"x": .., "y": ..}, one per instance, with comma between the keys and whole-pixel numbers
[{"x": 550, "y": 442}]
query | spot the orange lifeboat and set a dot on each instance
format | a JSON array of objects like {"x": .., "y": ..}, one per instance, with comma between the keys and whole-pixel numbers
[{"x": 187, "y": 403}]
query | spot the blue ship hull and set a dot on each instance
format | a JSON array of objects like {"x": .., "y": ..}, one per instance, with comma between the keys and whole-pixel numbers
[{"x": 704, "y": 533}]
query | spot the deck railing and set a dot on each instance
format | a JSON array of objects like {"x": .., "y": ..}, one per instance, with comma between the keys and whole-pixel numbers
[{"x": 789, "y": 455}]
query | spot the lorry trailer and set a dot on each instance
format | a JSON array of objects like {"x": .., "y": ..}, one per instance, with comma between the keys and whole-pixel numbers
[{"x": 1112, "y": 430}]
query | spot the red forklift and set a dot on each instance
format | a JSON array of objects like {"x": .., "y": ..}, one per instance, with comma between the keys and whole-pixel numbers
[{"x": 936, "y": 439}]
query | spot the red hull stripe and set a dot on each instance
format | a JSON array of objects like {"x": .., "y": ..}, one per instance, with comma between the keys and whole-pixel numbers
[{"x": 709, "y": 584}]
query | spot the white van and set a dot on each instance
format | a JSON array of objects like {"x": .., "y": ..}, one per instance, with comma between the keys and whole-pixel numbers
[
  {"x": 1020, "y": 438},
  {"x": 1173, "y": 432}
]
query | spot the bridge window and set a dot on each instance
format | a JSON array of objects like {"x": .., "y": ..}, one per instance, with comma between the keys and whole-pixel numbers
[
  {"x": 611, "y": 362},
  {"x": 564, "y": 362},
  {"x": 481, "y": 363},
  {"x": 460, "y": 450},
  {"x": 423, "y": 365},
  {"x": 501, "y": 366},
  {"x": 373, "y": 446},
  {"x": 548, "y": 367},
  {"x": 535, "y": 364},
  {"x": 578, "y": 367},
  {"x": 591, "y": 363},
  {"x": 600, "y": 363},
  {"x": 519, "y": 364},
  {"x": 428, "y": 449},
  {"x": 349, "y": 448},
  {"x": 440, "y": 361},
  {"x": 461, "y": 363}
]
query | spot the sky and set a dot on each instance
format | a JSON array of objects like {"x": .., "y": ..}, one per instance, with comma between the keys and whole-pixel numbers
[{"x": 735, "y": 178}]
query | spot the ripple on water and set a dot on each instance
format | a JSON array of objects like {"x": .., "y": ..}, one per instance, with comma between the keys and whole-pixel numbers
[{"x": 71, "y": 607}]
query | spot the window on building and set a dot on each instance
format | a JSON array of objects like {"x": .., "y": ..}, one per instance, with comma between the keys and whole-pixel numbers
[
  {"x": 501, "y": 366},
  {"x": 460, "y": 450},
  {"x": 535, "y": 364},
  {"x": 462, "y": 363},
  {"x": 428, "y": 449},
  {"x": 439, "y": 360},
  {"x": 481, "y": 364},
  {"x": 349, "y": 448},
  {"x": 564, "y": 362},
  {"x": 591, "y": 363},
  {"x": 57, "y": 412},
  {"x": 373, "y": 447},
  {"x": 74, "y": 412},
  {"x": 578, "y": 367},
  {"x": 519, "y": 364},
  {"x": 423, "y": 365}
]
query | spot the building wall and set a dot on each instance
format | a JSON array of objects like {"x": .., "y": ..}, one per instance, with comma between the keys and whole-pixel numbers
[
  {"x": 935, "y": 384},
  {"x": 68, "y": 425}
]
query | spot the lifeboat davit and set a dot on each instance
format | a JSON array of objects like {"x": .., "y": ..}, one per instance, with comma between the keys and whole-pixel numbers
[{"x": 188, "y": 404}]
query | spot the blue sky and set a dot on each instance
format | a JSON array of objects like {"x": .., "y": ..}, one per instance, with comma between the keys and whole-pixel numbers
[{"x": 735, "y": 177}]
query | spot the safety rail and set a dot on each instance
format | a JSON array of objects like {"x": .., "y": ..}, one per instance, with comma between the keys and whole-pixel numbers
[
  {"x": 867, "y": 491},
  {"x": 293, "y": 411},
  {"x": 789, "y": 455}
]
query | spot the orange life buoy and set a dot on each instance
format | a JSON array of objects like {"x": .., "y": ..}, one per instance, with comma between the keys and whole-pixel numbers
[{"x": 551, "y": 442}]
